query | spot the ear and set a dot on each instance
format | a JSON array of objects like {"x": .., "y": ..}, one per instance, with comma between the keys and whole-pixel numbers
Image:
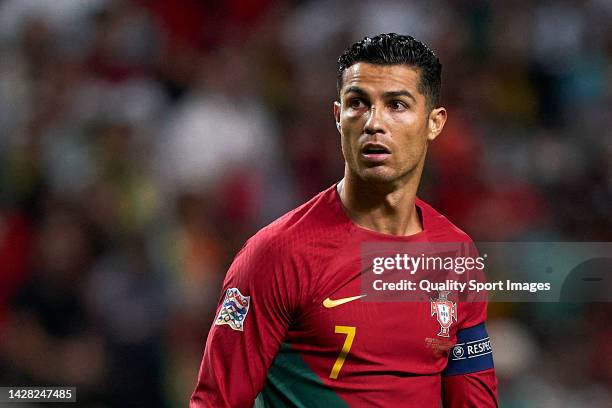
[
  {"x": 437, "y": 119},
  {"x": 337, "y": 109}
]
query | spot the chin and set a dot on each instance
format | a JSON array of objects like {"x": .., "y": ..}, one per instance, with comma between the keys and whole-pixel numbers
[
  {"x": 384, "y": 175},
  {"x": 378, "y": 175}
]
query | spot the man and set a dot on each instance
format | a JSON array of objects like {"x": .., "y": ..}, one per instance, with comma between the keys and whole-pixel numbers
[{"x": 293, "y": 327}]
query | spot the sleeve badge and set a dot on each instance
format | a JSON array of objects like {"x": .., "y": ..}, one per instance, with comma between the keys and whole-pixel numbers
[{"x": 234, "y": 309}]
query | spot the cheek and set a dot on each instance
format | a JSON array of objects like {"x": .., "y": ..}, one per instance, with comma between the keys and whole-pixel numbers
[
  {"x": 345, "y": 145},
  {"x": 412, "y": 139},
  {"x": 349, "y": 146},
  {"x": 351, "y": 129}
]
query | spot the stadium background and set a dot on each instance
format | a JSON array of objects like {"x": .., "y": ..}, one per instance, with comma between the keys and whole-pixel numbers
[{"x": 141, "y": 143}]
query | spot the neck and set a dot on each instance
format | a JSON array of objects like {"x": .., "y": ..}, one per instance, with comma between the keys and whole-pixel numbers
[{"x": 388, "y": 208}]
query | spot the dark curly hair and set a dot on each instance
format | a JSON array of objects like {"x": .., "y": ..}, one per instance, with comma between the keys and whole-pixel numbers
[{"x": 393, "y": 49}]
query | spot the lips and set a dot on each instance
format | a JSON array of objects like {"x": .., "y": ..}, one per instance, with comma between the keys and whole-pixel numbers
[{"x": 375, "y": 152}]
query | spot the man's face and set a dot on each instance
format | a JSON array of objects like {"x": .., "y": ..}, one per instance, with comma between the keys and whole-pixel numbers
[{"x": 385, "y": 122}]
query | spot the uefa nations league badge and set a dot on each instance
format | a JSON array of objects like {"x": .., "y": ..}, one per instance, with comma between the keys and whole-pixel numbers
[{"x": 234, "y": 309}]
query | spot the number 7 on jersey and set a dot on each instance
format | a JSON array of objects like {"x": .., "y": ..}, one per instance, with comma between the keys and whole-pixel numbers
[{"x": 346, "y": 347}]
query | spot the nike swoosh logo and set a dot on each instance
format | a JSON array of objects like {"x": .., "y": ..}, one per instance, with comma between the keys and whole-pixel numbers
[{"x": 329, "y": 303}]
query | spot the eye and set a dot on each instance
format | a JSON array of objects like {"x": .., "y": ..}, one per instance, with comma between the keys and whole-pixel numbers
[
  {"x": 355, "y": 103},
  {"x": 398, "y": 105}
]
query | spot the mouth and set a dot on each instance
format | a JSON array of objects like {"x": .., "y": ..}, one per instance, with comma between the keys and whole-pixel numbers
[{"x": 375, "y": 152}]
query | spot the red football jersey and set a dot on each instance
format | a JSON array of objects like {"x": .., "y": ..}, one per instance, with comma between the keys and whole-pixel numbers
[{"x": 293, "y": 328}]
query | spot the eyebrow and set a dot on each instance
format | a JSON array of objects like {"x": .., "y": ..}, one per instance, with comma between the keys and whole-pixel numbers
[
  {"x": 389, "y": 94},
  {"x": 355, "y": 89},
  {"x": 394, "y": 94}
]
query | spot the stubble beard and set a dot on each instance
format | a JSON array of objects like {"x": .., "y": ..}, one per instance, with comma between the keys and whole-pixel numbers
[{"x": 384, "y": 179}]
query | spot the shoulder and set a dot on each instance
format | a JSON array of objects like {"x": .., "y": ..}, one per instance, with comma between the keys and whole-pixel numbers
[
  {"x": 278, "y": 257},
  {"x": 440, "y": 227}
]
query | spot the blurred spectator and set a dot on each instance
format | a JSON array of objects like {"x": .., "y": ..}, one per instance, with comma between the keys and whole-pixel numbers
[
  {"x": 51, "y": 338},
  {"x": 126, "y": 296}
]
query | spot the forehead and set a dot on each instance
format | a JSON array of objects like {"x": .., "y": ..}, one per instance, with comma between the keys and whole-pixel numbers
[{"x": 382, "y": 78}]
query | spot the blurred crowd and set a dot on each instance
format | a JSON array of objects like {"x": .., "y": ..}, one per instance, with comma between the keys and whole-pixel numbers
[{"x": 143, "y": 141}]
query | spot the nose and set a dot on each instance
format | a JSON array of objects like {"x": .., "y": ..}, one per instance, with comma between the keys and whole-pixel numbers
[{"x": 374, "y": 124}]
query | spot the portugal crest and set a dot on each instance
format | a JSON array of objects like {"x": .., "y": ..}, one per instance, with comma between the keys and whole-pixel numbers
[
  {"x": 234, "y": 309},
  {"x": 445, "y": 311}
]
